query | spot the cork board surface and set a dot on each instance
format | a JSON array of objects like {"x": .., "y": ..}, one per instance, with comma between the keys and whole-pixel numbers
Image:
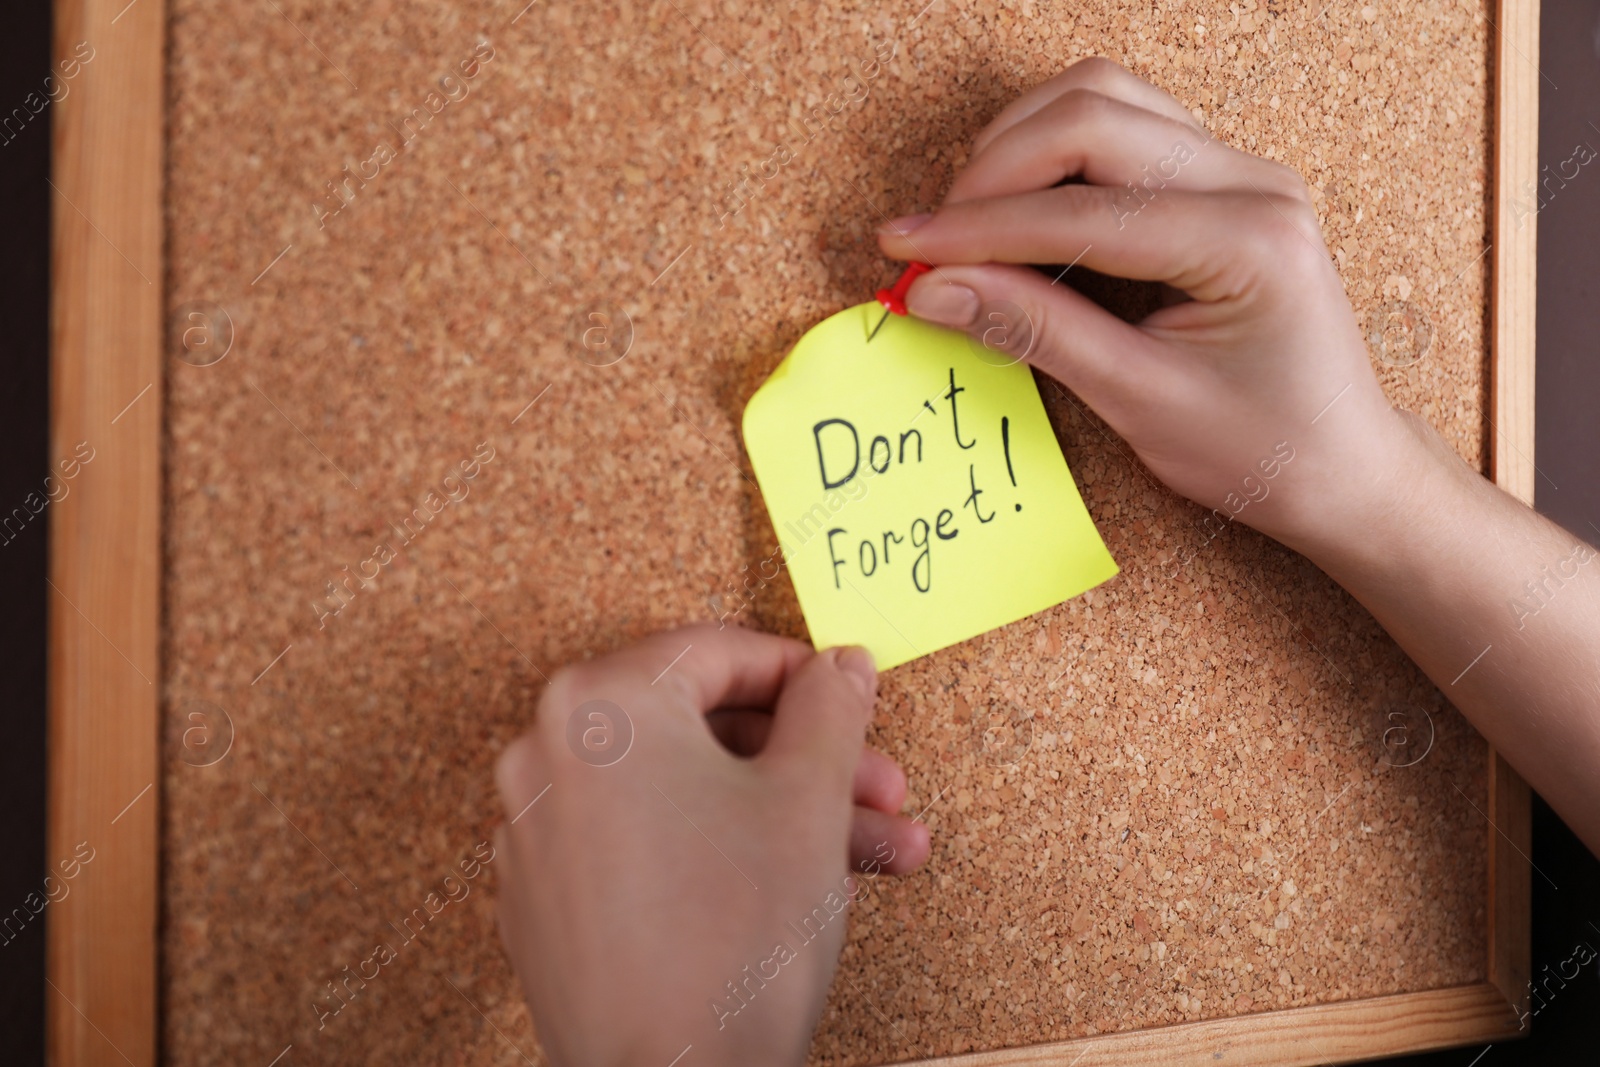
[{"x": 1168, "y": 800}]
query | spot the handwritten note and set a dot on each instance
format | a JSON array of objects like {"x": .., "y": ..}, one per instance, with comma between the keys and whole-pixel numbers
[{"x": 916, "y": 486}]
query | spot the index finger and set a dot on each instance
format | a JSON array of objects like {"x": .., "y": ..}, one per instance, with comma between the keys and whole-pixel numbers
[
  {"x": 713, "y": 668},
  {"x": 1097, "y": 74},
  {"x": 1212, "y": 246}
]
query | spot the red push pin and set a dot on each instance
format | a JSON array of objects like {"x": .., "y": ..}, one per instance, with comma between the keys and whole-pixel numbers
[{"x": 894, "y": 300}]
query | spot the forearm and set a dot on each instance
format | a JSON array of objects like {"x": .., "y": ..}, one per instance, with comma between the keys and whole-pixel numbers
[{"x": 1498, "y": 605}]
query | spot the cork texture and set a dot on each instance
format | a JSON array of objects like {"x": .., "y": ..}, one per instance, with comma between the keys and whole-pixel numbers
[{"x": 1182, "y": 796}]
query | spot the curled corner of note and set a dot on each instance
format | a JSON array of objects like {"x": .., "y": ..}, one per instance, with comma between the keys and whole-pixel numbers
[{"x": 916, "y": 486}]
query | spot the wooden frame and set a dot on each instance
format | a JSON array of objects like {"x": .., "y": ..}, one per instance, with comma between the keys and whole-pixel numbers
[
  {"x": 105, "y": 546},
  {"x": 105, "y": 567}
]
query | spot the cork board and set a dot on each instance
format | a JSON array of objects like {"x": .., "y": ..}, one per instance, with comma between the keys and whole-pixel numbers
[{"x": 1169, "y": 815}]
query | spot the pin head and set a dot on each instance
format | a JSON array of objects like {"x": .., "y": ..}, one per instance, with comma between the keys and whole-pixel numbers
[{"x": 894, "y": 299}]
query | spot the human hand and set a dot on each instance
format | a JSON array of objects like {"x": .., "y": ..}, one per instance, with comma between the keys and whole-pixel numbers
[
  {"x": 644, "y": 899},
  {"x": 1261, "y": 373}
]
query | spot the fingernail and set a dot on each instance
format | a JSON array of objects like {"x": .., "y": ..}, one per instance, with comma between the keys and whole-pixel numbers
[
  {"x": 857, "y": 663},
  {"x": 946, "y": 303},
  {"x": 903, "y": 225}
]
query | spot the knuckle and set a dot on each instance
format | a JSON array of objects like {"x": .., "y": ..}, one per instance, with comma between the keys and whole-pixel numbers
[
  {"x": 1095, "y": 72},
  {"x": 685, "y": 693},
  {"x": 569, "y": 687},
  {"x": 693, "y": 631},
  {"x": 518, "y": 766},
  {"x": 1292, "y": 183},
  {"x": 1083, "y": 199},
  {"x": 1041, "y": 335},
  {"x": 1288, "y": 235},
  {"x": 1080, "y": 105}
]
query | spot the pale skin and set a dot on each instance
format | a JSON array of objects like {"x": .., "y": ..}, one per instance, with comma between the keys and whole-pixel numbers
[{"x": 623, "y": 922}]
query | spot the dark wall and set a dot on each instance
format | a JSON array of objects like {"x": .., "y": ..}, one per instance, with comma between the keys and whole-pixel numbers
[
  {"x": 1568, "y": 414},
  {"x": 24, "y": 461}
]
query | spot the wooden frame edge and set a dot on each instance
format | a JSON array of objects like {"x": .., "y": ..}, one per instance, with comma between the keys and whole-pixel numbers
[
  {"x": 105, "y": 546},
  {"x": 1510, "y": 883},
  {"x": 1514, "y": 240},
  {"x": 1513, "y": 321},
  {"x": 1341, "y": 1032}
]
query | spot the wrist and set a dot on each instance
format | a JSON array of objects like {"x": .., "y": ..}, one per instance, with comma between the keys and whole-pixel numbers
[{"x": 1394, "y": 484}]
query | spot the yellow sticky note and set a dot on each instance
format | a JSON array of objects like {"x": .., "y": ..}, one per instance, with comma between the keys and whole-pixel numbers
[{"x": 916, "y": 486}]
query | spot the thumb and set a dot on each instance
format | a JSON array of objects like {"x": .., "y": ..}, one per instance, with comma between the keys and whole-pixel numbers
[
  {"x": 819, "y": 723},
  {"x": 1024, "y": 315}
]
